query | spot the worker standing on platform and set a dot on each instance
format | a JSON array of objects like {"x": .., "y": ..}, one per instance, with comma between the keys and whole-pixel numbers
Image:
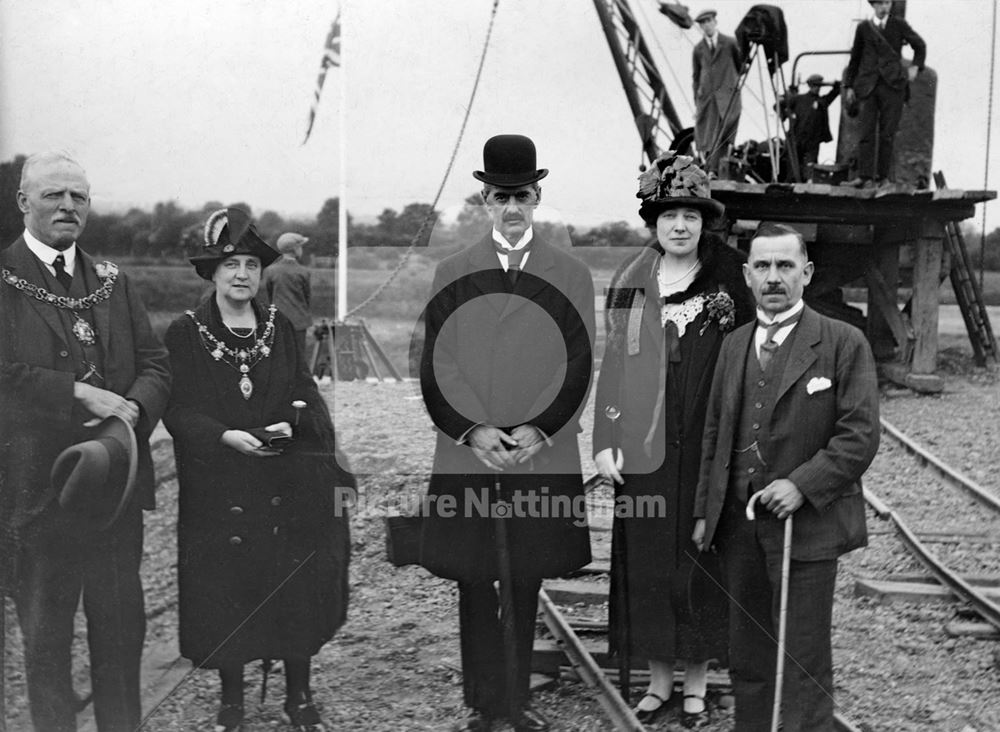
[
  {"x": 876, "y": 80},
  {"x": 810, "y": 122},
  {"x": 716, "y": 63}
]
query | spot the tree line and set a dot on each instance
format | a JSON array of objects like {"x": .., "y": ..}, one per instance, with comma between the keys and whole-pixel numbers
[{"x": 171, "y": 232}]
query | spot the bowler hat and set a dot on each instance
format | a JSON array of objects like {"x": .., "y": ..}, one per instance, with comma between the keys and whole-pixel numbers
[
  {"x": 705, "y": 15},
  {"x": 95, "y": 479},
  {"x": 814, "y": 79},
  {"x": 509, "y": 162},
  {"x": 228, "y": 232},
  {"x": 675, "y": 180},
  {"x": 288, "y": 241}
]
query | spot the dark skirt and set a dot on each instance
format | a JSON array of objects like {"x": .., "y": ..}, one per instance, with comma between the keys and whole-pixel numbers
[{"x": 674, "y": 603}]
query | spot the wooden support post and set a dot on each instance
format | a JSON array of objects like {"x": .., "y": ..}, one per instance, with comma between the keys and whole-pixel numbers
[
  {"x": 924, "y": 306},
  {"x": 882, "y": 334}
]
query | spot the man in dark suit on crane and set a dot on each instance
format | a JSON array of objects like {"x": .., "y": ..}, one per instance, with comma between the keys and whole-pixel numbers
[{"x": 878, "y": 82}]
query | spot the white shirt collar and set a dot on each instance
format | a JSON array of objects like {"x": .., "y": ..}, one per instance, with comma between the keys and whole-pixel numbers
[
  {"x": 763, "y": 317},
  {"x": 880, "y": 23},
  {"x": 521, "y": 243},
  {"x": 47, "y": 254},
  {"x": 760, "y": 334}
]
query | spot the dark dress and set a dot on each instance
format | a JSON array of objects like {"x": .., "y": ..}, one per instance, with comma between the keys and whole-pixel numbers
[
  {"x": 263, "y": 543},
  {"x": 660, "y": 381}
]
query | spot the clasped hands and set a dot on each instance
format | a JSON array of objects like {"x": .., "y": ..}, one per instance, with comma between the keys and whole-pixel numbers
[
  {"x": 245, "y": 443},
  {"x": 499, "y": 451}
]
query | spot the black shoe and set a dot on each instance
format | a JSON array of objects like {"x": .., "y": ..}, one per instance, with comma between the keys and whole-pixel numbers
[
  {"x": 692, "y": 720},
  {"x": 531, "y": 720},
  {"x": 648, "y": 716},
  {"x": 303, "y": 717},
  {"x": 477, "y": 722},
  {"x": 229, "y": 718}
]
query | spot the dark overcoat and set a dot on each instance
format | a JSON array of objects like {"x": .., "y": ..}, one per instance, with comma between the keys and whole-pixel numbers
[
  {"x": 41, "y": 418},
  {"x": 263, "y": 543},
  {"x": 822, "y": 434},
  {"x": 716, "y": 90},
  {"x": 286, "y": 283},
  {"x": 507, "y": 355},
  {"x": 659, "y": 382},
  {"x": 876, "y": 55}
]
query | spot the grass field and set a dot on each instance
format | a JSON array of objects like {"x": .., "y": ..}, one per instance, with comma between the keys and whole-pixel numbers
[{"x": 168, "y": 290}]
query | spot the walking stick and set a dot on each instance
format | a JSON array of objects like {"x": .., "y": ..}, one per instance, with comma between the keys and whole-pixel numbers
[
  {"x": 506, "y": 601},
  {"x": 3, "y": 657},
  {"x": 786, "y": 561},
  {"x": 621, "y": 587}
]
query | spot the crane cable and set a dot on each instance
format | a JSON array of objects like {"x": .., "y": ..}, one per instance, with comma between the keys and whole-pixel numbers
[
  {"x": 989, "y": 130},
  {"x": 666, "y": 59},
  {"x": 437, "y": 196}
]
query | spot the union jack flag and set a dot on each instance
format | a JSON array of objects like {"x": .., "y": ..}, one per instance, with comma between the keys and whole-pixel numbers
[{"x": 331, "y": 57}]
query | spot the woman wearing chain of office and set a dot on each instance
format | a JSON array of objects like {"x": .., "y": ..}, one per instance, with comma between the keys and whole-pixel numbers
[
  {"x": 667, "y": 311},
  {"x": 263, "y": 542}
]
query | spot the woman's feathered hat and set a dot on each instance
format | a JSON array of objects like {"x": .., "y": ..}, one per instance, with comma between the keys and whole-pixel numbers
[
  {"x": 675, "y": 180},
  {"x": 230, "y": 231}
]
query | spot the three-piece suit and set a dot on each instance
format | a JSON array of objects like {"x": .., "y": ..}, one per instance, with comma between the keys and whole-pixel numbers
[
  {"x": 61, "y": 557},
  {"x": 875, "y": 72},
  {"x": 504, "y": 355},
  {"x": 810, "y": 417},
  {"x": 716, "y": 96}
]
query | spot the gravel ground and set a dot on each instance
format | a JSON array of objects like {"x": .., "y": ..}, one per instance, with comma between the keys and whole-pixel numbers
[{"x": 393, "y": 665}]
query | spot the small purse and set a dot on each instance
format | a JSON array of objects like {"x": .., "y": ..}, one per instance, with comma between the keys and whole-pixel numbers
[
  {"x": 402, "y": 539},
  {"x": 271, "y": 440}
]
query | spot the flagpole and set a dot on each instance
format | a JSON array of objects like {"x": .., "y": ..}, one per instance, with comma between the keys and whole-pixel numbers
[{"x": 342, "y": 219}]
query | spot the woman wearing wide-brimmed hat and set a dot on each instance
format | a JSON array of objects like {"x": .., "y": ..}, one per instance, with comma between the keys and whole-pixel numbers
[
  {"x": 262, "y": 539},
  {"x": 667, "y": 311}
]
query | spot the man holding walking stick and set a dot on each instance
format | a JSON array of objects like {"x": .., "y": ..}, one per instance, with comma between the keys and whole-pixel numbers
[
  {"x": 793, "y": 416},
  {"x": 504, "y": 373}
]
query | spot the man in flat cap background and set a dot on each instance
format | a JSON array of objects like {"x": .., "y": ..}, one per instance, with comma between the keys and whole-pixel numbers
[
  {"x": 504, "y": 374},
  {"x": 286, "y": 285},
  {"x": 75, "y": 348},
  {"x": 810, "y": 121},
  {"x": 717, "y": 65}
]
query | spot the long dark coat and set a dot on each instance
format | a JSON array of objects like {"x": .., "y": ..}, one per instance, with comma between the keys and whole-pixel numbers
[
  {"x": 39, "y": 415},
  {"x": 505, "y": 356},
  {"x": 660, "y": 384},
  {"x": 249, "y": 527}
]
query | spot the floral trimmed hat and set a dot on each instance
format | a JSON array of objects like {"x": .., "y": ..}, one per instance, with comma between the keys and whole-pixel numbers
[
  {"x": 228, "y": 232},
  {"x": 675, "y": 180}
]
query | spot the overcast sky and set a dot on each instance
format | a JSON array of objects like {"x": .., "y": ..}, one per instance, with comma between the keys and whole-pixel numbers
[{"x": 197, "y": 101}]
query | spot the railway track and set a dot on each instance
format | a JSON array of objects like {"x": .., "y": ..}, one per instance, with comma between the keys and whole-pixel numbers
[
  {"x": 914, "y": 503},
  {"x": 921, "y": 502}
]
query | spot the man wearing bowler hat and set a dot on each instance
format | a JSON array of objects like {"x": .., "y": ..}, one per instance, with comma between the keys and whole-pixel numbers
[
  {"x": 84, "y": 381},
  {"x": 504, "y": 372},
  {"x": 716, "y": 63},
  {"x": 286, "y": 285}
]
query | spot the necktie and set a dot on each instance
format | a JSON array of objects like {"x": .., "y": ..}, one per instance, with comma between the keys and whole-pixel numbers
[
  {"x": 64, "y": 277},
  {"x": 514, "y": 258},
  {"x": 769, "y": 346}
]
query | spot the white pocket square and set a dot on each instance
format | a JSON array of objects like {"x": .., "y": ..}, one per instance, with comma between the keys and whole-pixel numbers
[{"x": 818, "y": 383}]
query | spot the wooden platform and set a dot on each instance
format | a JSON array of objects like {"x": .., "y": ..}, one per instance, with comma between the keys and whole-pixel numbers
[{"x": 820, "y": 203}]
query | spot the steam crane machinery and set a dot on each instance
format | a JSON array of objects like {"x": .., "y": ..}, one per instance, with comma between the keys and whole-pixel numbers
[{"x": 855, "y": 236}]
